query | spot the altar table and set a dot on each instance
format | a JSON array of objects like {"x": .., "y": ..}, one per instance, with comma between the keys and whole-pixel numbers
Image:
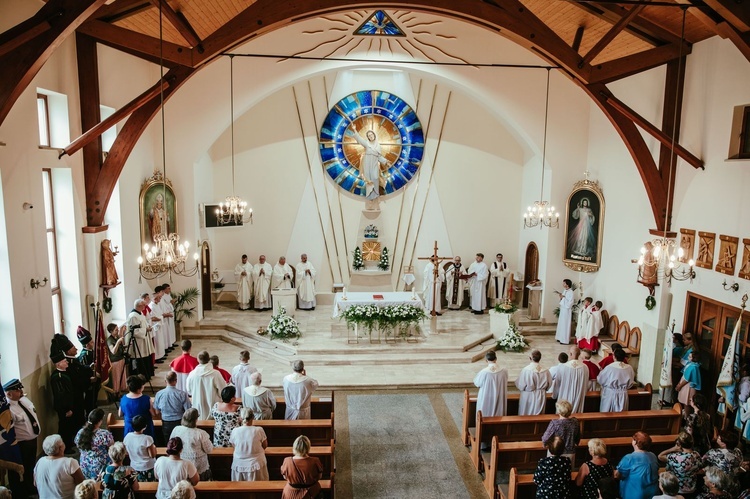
[{"x": 390, "y": 298}]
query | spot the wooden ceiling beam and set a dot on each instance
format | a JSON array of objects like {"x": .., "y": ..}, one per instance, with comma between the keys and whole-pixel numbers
[
  {"x": 740, "y": 40},
  {"x": 611, "y": 34},
  {"x": 735, "y": 12},
  {"x": 636, "y": 63},
  {"x": 121, "y": 9},
  {"x": 180, "y": 23},
  {"x": 24, "y": 37},
  {"x": 88, "y": 91}
]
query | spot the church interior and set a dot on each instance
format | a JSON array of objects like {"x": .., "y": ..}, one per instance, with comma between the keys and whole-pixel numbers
[{"x": 122, "y": 119}]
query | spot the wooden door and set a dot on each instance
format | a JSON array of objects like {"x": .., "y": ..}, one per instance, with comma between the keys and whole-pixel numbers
[
  {"x": 531, "y": 270},
  {"x": 206, "y": 276}
]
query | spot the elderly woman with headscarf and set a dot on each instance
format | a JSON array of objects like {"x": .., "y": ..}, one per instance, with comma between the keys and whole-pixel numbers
[{"x": 258, "y": 398}]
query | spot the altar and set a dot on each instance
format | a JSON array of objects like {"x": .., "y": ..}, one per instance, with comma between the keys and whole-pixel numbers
[
  {"x": 387, "y": 299},
  {"x": 392, "y": 314}
]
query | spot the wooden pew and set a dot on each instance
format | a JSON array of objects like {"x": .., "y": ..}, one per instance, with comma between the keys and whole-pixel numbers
[
  {"x": 523, "y": 486},
  {"x": 639, "y": 400},
  {"x": 593, "y": 425},
  {"x": 525, "y": 455},
  {"x": 220, "y": 460},
  {"x": 237, "y": 490}
]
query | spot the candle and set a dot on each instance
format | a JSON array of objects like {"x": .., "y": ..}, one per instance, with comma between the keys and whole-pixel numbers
[{"x": 344, "y": 294}]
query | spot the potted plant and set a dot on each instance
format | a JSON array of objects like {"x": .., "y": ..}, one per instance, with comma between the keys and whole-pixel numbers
[
  {"x": 283, "y": 327},
  {"x": 181, "y": 302}
]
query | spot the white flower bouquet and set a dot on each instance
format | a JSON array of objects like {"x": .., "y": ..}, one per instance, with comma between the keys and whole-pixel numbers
[
  {"x": 512, "y": 340},
  {"x": 283, "y": 327}
]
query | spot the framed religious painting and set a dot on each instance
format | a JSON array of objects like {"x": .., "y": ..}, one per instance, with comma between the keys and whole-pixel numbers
[
  {"x": 158, "y": 209},
  {"x": 727, "y": 260},
  {"x": 687, "y": 243},
  {"x": 584, "y": 227},
  {"x": 745, "y": 265},
  {"x": 706, "y": 245}
]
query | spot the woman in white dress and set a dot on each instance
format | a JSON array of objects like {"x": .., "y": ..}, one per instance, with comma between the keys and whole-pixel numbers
[{"x": 249, "y": 463}]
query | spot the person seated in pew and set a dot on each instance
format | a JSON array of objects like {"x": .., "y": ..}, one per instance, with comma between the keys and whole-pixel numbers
[
  {"x": 593, "y": 368},
  {"x": 532, "y": 382},
  {"x": 698, "y": 423},
  {"x": 561, "y": 359},
  {"x": 172, "y": 469},
  {"x": 615, "y": 380},
  {"x": 302, "y": 472},
  {"x": 594, "y": 469},
  {"x": 638, "y": 471},
  {"x": 552, "y": 475},
  {"x": 197, "y": 444},
  {"x": 684, "y": 462},
  {"x": 609, "y": 488},
  {"x": 564, "y": 427},
  {"x": 258, "y": 398},
  {"x": 669, "y": 486},
  {"x": 249, "y": 461},
  {"x": 226, "y": 414},
  {"x": 142, "y": 450},
  {"x": 183, "y": 490}
]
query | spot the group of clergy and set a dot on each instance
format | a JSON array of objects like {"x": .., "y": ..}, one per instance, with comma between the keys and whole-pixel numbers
[
  {"x": 255, "y": 282},
  {"x": 569, "y": 381},
  {"x": 475, "y": 278}
]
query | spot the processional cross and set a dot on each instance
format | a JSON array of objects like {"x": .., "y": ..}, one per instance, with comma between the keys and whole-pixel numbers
[{"x": 435, "y": 259}]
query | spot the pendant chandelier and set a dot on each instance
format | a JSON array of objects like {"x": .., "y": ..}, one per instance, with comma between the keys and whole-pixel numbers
[
  {"x": 167, "y": 256},
  {"x": 233, "y": 211},
  {"x": 542, "y": 214}
]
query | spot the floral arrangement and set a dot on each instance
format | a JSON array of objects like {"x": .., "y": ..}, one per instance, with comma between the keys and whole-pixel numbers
[
  {"x": 283, "y": 327},
  {"x": 506, "y": 307},
  {"x": 512, "y": 340},
  {"x": 392, "y": 320},
  {"x": 357, "y": 263},
  {"x": 371, "y": 232},
  {"x": 385, "y": 261}
]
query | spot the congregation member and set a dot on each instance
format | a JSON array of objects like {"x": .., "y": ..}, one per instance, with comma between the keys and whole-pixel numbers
[
  {"x": 593, "y": 368},
  {"x": 595, "y": 469},
  {"x": 683, "y": 462},
  {"x": 139, "y": 334},
  {"x": 241, "y": 373},
  {"x": 171, "y": 403},
  {"x": 298, "y": 392},
  {"x": 492, "y": 382},
  {"x": 564, "y": 320},
  {"x": 157, "y": 326},
  {"x": 93, "y": 443},
  {"x": 690, "y": 382},
  {"x": 498, "y": 280},
  {"x": 562, "y": 358},
  {"x": 454, "y": 289},
  {"x": 699, "y": 425},
  {"x": 171, "y": 469},
  {"x": 718, "y": 484},
  {"x": 196, "y": 443},
  {"x": 262, "y": 273},
  {"x": 615, "y": 380},
  {"x": 552, "y": 475},
  {"x": 26, "y": 425},
  {"x": 116, "y": 349},
  {"x": 638, "y": 471},
  {"x": 56, "y": 476},
  {"x": 283, "y": 276},
  {"x": 227, "y": 416},
  {"x": 301, "y": 471},
  {"x": 565, "y": 427},
  {"x": 224, "y": 373},
  {"x": 305, "y": 284},
  {"x": 67, "y": 399},
  {"x": 168, "y": 316},
  {"x": 533, "y": 382},
  {"x": 571, "y": 381},
  {"x": 82, "y": 375},
  {"x": 610, "y": 357},
  {"x": 204, "y": 385},
  {"x": 249, "y": 442},
  {"x": 669, "y": 486},
  {"x": 183, "y": 365},
  {"x": 135, "y": 403},
  {"x": 478, "y": 275},
  {"x": 259, "y": 399},
  {"x": 87, "y": 489},
  {"x": 727, "y": 457},
  {"x": 243, "y": 271},
  {"x": 118, "y": 481},
  {"x": 85, "y": 359},
  {"x": 183, "y": 490},
  {"x": 432, "y": 287},
  {"x": 142, "y": 450}
]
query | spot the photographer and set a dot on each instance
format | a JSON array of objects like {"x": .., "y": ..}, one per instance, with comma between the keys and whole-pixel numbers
[{"x": 138, "y": 341}]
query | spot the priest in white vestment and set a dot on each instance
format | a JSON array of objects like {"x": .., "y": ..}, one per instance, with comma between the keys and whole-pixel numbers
[
  {"x": 498, "y": 280},
  {"x": 168, "y": 316},
  {"x": 138, "y": 333},
  {"x": 241, "y": 373},
  {"x": 157, "y": 325},
  {"x": 259, "y": 399},
  {"x": 298, "y": 392},
  {"x": 204, "y": 384},
  {"x": 283, "y": 275},
  {"x": 432, "y": 286},
  {"x": 244, "y": 274},
  {"x": 566, "y": 311},
  {"x": 306, "y": 283},
  {"x": 533, "y": 382},
  {"x": 615, "y": 380},
  {"x": 479, "y": 273},
  {"x": 492, "y": 382},
  {"x": 262, "y": 272},
  {"x": 584, "y": 317},
  {"x": 454, "y": 290},
  {"x": 572, "y": 381}
]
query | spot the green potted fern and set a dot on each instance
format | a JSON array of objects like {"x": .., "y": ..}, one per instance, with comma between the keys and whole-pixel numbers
[{"x": 184, "y": 307}]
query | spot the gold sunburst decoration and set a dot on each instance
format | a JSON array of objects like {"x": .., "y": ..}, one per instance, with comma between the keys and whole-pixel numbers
[{"x": 371, "y": 251}]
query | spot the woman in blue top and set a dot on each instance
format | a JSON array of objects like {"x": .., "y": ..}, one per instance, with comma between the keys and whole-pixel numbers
[
  {"x": 638, "y": 471},
  {"x": 690, "y": 383},
  {"x": 134, "y": 403}
]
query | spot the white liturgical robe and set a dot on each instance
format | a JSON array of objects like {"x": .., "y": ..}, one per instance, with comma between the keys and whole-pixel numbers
[
  {"x": 204, "y": 384},
  {"x": 595, "y": 324},
  {"x": 477, "y": 289},
  {"x": 298, "y": 391},
  {"x": 244, "y": 284},
  {"x": 241, "y": 376},
  {"x": 571, "y": 383},
  {"x": 166, "y": 302},
  {"x": 498, "y": 282},
  {"x": 584, "y": 318},
  {"x": 533, "y": 382},
  {"x": 431, "y": 287},
  {"x": 615, "y": 379},
  {"x": 565, "y": 319},
  {"x": 158, "y": 329},
  {"x": 454, "y": 291},
  {"x": 492, "y": 382},
  {"x": 306, "y": 285},
  {"x": 282, "y": 277},
  {"x": 262, "y": 285}
]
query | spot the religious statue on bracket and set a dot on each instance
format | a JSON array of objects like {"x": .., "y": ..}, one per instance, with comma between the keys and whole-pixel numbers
[{"x": 109, "y": 272}]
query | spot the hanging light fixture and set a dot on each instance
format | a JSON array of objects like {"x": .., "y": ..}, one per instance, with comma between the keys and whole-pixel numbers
[
  {"x": 233, "y": 210},
  {"x": 661, "y": 258},
  {"x": 542, "y": 214},
  {"x": 167, "y": 256}
]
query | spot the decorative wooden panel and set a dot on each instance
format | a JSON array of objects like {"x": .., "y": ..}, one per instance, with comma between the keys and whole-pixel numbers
[
  {"x": 745, "y": 267},
  {"x": 727, "y": 254},
  {"x": 687, "y": 243},
  {"x": 706, "y": 241}
]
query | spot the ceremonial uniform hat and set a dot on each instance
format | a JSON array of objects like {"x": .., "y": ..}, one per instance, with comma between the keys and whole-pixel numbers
[
  {"x": 60, "y": 343},
  {"x": 56, "y": 356},
  {"x": 83, "y": 335},
  {"x": 13, "y": 384}
]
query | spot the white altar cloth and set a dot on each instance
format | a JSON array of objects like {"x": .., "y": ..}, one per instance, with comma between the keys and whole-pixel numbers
[{"x": 389, "y": 298}]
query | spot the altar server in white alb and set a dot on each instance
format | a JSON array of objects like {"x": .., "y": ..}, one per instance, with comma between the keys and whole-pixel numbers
[
  {"x": 584, "y": 317},
  {"x": 157, "y": 324},
  {"x": 478, "y": 273},
  {"x": 454, "y": 291},
  {"x": 533, "y": 382},
  {"x": 306, "y": 283},
  {"x": 298, "y": 391},
  {"x": 492, "y": 382},
  {"x": 244, "y": 274},
  {"x": 204, "y": 384},
  {"x": 262, "y": 272},
  {"x": 282, "y": 275},
  {"x": 616, "y": 379},
  {"x": 168, "y": 317},
  {"x": 572, "y": 381},
  {"x": 432, "y": 286},
  {"x": 564, "y": 321},
  {"x": 498, "y": 280}
]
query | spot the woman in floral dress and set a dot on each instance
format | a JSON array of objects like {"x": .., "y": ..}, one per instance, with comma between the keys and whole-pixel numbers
[
  {"x": 684, "y": 462},
  {"x": 93, "y": 442},
  {"x": 227, "y": 417},
  {"x": 118, "y": 481}
]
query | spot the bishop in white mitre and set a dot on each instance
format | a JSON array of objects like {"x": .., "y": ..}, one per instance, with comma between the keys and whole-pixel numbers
[
  {"x": 564, "y": 320},
  {"x": 572, "y": 380},
  {"x": 616, "y": 379},
  {"x": 306, "y": 284},
  {"x": 282, "y": 275},
  {"x": 533, "y": 382},
  {"x": 432, "y": 286},
  {"x": 477, "y": 291},
  {"x": 498, "y": 280},
  {"x": 244, "y": 274},
  {"x": 454, "y": 291},
  {"x": 492, "y": 382},
  {"x": 262, "y": 272}
]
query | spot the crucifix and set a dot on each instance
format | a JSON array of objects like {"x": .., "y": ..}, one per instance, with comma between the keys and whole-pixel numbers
[{"x": 435, "y": 259}]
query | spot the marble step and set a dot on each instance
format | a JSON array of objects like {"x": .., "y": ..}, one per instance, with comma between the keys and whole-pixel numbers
[
  {"x": 277, "y": 351},
  {"x": 393, "y": 358}
]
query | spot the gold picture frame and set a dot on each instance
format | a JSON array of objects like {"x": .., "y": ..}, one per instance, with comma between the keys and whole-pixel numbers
[
  {"x": 584, "y": 227},
  {"x": 727, "y": 259},
  {"x": 158, "y": 208},
  {"x": 706, "y": 246}
]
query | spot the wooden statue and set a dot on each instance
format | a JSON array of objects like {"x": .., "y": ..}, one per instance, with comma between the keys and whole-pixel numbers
[{"x": 109, "y": 273}]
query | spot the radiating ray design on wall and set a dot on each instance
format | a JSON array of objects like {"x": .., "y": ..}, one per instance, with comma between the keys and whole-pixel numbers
[{"x": 379, "y": 24}]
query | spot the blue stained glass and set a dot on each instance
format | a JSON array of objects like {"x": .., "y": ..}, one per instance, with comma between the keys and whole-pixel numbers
[{"x": 379, "y": 24}]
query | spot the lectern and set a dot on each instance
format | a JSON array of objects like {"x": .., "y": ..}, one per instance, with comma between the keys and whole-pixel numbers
[
  {"x": 286, "y": 298},
  {"x": 535, "y": 302}
]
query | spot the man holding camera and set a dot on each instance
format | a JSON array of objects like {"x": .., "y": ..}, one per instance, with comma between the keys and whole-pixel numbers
[{"x": 138, "y": 341}]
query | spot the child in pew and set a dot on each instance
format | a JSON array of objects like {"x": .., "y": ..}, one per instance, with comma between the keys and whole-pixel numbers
[
  {"x": 141, "y": 450},
  {"x": 561, "y": 359}
]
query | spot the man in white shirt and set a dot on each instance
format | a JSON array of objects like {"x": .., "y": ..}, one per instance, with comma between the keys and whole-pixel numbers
[
  {"x": 204, "y": 384},
  {"x": 298, "y": 391},
  {"x": 306, "y": 284},
  {"x": 478, "y": 274},
  {"x": 241, "y": 373},
  {"x": 244, "y": 274},
  {"x": 282, "y": 275},
  {"x": 262, "y": 272},
  {"x": 26, "y": 424}
]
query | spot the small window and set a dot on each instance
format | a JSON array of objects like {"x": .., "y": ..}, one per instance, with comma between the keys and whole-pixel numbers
[
  {"x": 745, "y": 134},
  {"x": 54, "y": 268},
  {"x": 42, "y": 108}
]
